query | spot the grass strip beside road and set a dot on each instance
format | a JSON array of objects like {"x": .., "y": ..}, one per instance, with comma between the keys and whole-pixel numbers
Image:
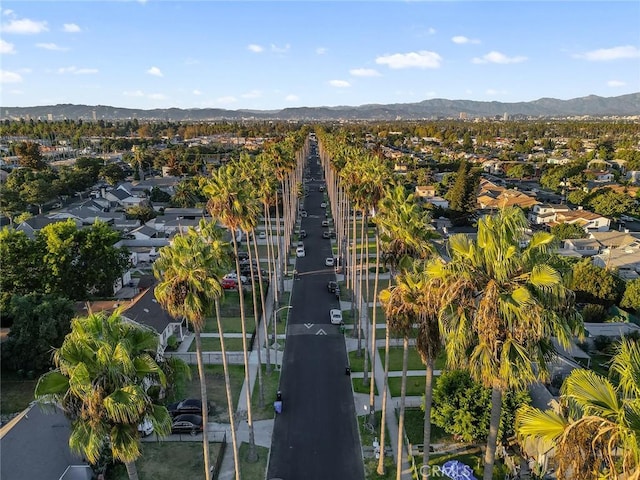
[
  {"x": 256, "y": 470},
  {"x": 212, "y": 344}
]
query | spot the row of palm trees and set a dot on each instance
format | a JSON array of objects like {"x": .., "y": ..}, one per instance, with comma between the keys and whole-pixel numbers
[
  {"x": 492, "y": 304},
  {"x": 106, "y": 365}
]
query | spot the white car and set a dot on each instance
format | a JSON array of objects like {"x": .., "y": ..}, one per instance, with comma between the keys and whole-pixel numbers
[
  {"x": 336, "y": 316},
  {"x": 303, "y": 213},
  {"x": 262, "y": 235},
  {"x": 323, "y": 205},
  {"x": 300, "y": 252},
  {"x": 325, "y": 223},
  {"x": 145, "y": 428},
  {"x": 329, "y": 261},
  {"x": 234, "y": 276}
]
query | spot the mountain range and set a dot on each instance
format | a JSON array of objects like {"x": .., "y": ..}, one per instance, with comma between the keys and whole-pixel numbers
[{"x": 592, "y": 105}]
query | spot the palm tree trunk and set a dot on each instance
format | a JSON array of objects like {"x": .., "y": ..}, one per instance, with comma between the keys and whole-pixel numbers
[
  {"x": 252, "y": 455},
  {"x": 279, "y": 274},
  {"x": 354, "y": 276},
  {"x": 492, "y": 439},
  {"x": 364, "y": 276},
  {"x": 132, "y": 471},
  {"x": 265, "y": 320},
  {"x": 203, "y": 396},
  {"x": 255, "y": 316},
  {"x": 403, "y": 394},
  {"x": 372, "y": 383},
  {"x": 227, "y": 385},
  {"x": 428, "y": 398},
  {"x": 383, "y": 420}
]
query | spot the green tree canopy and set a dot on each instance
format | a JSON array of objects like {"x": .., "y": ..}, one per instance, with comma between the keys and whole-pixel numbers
[
  {"x": 562, "y": 231},
  {"x": 593, "y": 284},
  {"x": 40, "y": 323},
  {"x": 631, "y": 296},
  {"x": 29, "y": 155}
]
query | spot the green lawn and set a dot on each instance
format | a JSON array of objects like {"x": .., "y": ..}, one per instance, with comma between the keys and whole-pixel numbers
[
  {"x": 212, "y": 344},
  {"x": 230, "y": 304},
  {"x": 256, "y": 470},
  {"x": 414, "y": 427},
  {"x": 170, "y": 460},
  {"x": 229, "y": 324},
  {"x": 357, "y": 362},
  {"x": 415, "y": 386},
  {"x": 17, "y": 392},
  {"x": 216, "y": 392},
  {"x": 360, "y": 387},
  {"x": 270, "y": 385},
  {"x": 414, "y": 360}
]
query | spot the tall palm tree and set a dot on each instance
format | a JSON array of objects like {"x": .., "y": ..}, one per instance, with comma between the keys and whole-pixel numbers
[
  {"x": 230, "y": 203},
  {"x": 402, "y": 231},
  {"x": 596, "y": 432},
  {"x": 103, "y": 370},
  {"x": 400, "y": 303},
  {"x": 509, "y": 302},
  {"x": 187, "y": 286}
]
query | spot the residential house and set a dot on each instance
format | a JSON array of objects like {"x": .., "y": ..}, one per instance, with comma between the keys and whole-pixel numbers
[
  {"x": 592, "y": 222},
  {"x": 428, "y": 194},
  {"x": 146, "y": 232},
  {"x": 35, "y": 445},
  {"x": 34, "y": 224},
  {"x": 145, "y": 310},
  {"x": 624, "y": 259},
  {"x": 492, "y": 196},
  {"x": 546, "y": 212}
]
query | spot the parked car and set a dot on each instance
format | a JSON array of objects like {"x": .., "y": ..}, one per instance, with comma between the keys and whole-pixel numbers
[
  {"x": 234, "y": 276},
  {"x": 188, "y": 405},
  {"x": 331, "y": 286},
  {"x": 325, "y": 223},
  {"x": 303, "y": 213},
  {"x": 336, "y": 316},
  {"x": 262, "y": 235},
  {"x": 321, "y": 188},
  {"x": 303, "y": 234},
  {"x": 329, "y": 261},
  {"x": 300, "y": 252},
  {"x": 326, "y": 234},
  {"x": 229, "y": 284},
  {"x": 243, "y": 256},
  {"x": 187, "y": 423}
]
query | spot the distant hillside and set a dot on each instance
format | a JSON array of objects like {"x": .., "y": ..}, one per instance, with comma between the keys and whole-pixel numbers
[{"x": 624, "y": 105}]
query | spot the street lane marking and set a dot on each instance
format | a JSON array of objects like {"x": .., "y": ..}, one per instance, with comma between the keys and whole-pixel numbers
[
  {"x": 308, "y": 325},
  {"x": 321, "y": 332}
]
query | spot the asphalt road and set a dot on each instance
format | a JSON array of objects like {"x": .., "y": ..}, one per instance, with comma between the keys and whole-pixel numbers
[{"x": 316, "y": 435}]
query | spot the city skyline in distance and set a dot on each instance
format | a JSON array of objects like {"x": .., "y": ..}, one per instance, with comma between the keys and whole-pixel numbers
[{"x": 277, "y": 55}]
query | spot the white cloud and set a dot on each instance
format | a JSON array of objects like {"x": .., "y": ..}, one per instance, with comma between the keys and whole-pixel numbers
[
  {"x": 155, "y": 71},
  {"x": 77, "y": 71},
  {"x": 51, "y": 46},
  {"x": 291, "y": 98},
  {"x": 421, "y": 59},
  {"x": 277, "y": 49},
  {"x": 252, "y": 94},
  {"x": 255, "y": 48},
  {"x": 493, "y": 92},
  {"x": 321, "y": 50},
  {"x": 157, "y": 96},
  {"x": 71, "y": 28},
  {"x": 25, "y": 26},
  {"x": 339, "y": 83},
  {"x": 364, "y": 72},
  {"x": 197, "y": 92},
  {"x": 461, "y": 39},
  {"x": 135, "y": 93},
  {"x": 431, "y": 31},
  {"x": 615, "y": 53},
  {"x": 10, "y": 77},
  {"x": 616, "y": 83},
  {"x": 497, "y": 57},
  {"x": 226, "y": 100},
  {"x": 7, "y": 11},
  {"x": 6, "y": 48}
]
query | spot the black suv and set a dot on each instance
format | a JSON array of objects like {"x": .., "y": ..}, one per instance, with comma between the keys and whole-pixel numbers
[
  {"x": 188, "y": 405},
  {"x": 303, "y": 234},
  {"x": 332, "y": 286}
]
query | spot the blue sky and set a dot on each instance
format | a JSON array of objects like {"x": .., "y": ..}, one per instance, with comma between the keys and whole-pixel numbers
[{"x": 271, "y": 55}]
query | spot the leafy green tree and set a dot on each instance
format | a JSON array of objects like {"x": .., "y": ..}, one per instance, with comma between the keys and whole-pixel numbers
[
  {"x": 80, "y": 263},
  {"x": 103, "y": 372},
  {"x": 158, "y": 195},
  {"x": 563, "y": 231},
  {"x": 461, "y": 196},
  {"x": 631, "y": 296},
  {"x": 520, "y": 170},
  {"x": 612, "y": 204},
  {"x": 22, "y": 268},
  {"x": 144, "y": 213},
  {"x": 11, "y": 204},
  {"x": 594, "y": 284},
  {"x": 40, "y": 323},
  {"x": 462, "y": 407},
  {"x": 91, "y": 166},
  {"x": 29, "y": 156},
  {"x": 112, "y": 173}
]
